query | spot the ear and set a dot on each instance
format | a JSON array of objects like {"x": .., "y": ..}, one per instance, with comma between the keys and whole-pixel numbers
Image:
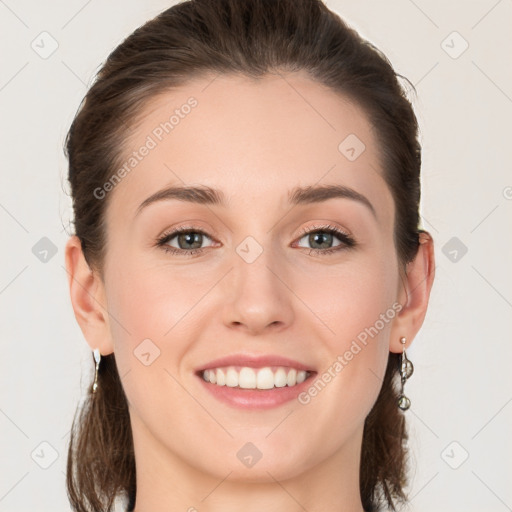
[
  {"x": 87, "y": 293},
  {"x": 414, "y": 294}
]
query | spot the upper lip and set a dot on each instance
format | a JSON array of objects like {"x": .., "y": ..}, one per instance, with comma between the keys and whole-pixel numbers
[{"x": 254, "y": 361}]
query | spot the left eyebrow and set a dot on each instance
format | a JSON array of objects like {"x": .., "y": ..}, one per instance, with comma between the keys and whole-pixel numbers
[
  {"x": 297, "y": 196},
  {"x": 319, "y": 193}
]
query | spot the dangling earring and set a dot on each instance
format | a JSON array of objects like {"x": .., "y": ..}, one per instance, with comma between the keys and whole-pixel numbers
[
  {"x": 97, "y": 358},
  {"x": 406, "y": 370}
]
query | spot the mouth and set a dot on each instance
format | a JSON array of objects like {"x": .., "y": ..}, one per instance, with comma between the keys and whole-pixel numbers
[{"x": 248, "y": 388}]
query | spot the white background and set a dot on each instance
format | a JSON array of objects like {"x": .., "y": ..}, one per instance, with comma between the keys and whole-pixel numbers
[{"x": 461, "y": 390}]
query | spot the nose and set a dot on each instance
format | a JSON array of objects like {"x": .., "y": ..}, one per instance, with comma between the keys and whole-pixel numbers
[{"x": 258, "y": 297}]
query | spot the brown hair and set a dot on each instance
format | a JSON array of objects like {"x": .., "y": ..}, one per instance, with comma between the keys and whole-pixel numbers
[{"x": 250, "y": 38}]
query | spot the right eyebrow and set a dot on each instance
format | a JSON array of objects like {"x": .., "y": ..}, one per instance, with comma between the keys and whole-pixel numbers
[{"x": 199, "y": 195}]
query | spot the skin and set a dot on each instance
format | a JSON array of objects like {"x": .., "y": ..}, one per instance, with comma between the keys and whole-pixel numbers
[{"x": 254, "y": 141}]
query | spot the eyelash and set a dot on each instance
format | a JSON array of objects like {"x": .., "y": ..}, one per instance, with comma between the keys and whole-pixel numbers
[{"x": 347, "y": 240}]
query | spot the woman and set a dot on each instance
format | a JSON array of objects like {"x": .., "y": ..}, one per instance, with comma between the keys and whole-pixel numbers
[{"x": 247, "y": 265}]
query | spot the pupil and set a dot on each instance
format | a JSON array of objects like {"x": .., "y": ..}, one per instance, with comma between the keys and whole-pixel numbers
[
  {"x": 315, "y": 236},
  {"x": 189, "y": 238}
]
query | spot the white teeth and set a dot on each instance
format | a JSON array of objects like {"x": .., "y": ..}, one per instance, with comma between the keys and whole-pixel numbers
[
  {"x": 265, "y": 379},
  {"x": 247, "y": 378},
  {"x": 301, "y": 377},
  {"x": 221, "y": 377},
  {"x": 280, "y": 378},
  {"x": 255, "y": 378},
  {"x": 231, "y": 378},
  {"x": 292, "y": 377}
]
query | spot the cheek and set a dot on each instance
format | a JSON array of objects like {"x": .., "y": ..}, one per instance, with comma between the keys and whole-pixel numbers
[
  {"x": 150, "y": 322},
  {"x": 150, "y": 301},
  {"x": 350, "y": 298},
  {"x": 359, "y": 315},
  {"x": 149, "y": 309}
]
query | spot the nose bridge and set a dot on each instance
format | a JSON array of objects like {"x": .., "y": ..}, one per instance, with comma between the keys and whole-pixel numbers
[
  {"x": 253, "y": 264},
  {"x": 258, "y": 294}
]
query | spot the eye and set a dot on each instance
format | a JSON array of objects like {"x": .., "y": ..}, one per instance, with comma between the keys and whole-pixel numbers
[
  {"x": 324, "y": 236},
  {"x": 188, "y": 240}
]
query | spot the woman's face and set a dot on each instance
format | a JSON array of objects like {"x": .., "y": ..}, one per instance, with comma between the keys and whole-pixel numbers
[{"x": 257, "y": 283}]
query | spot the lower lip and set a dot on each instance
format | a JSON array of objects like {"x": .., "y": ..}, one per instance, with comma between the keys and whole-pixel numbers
[{"x": 256, "y": 398}]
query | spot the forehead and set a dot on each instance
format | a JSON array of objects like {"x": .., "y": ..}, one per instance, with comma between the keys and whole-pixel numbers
[{"x": 254, "y": 139}]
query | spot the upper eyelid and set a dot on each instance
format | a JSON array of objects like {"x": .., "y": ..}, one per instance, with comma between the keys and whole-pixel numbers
[
  {"x": 183, "y": 229},
  {"x": 324, "y": 227}
]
